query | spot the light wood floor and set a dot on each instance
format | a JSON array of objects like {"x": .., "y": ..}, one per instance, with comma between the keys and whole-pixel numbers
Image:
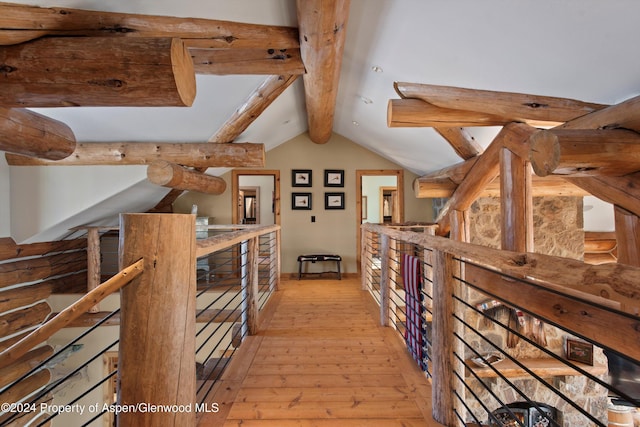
[{"x": 321, "y": 359}]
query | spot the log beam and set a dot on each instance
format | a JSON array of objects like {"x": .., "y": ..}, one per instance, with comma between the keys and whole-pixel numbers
[
  {"x": 612, "y": 152},
  {"x": 140, "y": 72},
  {"x": 31, "y": 134},
  {"x": 516, "y": 107},
  {"x": 175, "y": 176},
  {"x": 239, "y": 121},
  {"x": 484, "y": 170},
  {"x": 627, "y": 237},
  {"x": 21, "y": 23},
  {"x": 552, "y": 185},
  {"x": 623, "y": 191},
  {"x": 462, "y": 143},
  {"x": 402, "y": 113},
  {"x": 143, "y": 153},
  {"x": 322, "y": 26},
  {"x": 253, "y": 106},
  {"x": 247, "y": 61}
]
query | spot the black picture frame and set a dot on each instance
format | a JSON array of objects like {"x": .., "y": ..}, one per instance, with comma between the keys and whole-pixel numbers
[
  {"x": 334, "y": 200},
  {"x": 334, "y": 178},
  {"x": 301, "y": 177},
  {"x": 301, "y": 201}
]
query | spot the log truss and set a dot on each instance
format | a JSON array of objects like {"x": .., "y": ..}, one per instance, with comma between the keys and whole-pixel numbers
[
  {"x": 191, "y": 46},
  {"x": 590, "y": 148}
]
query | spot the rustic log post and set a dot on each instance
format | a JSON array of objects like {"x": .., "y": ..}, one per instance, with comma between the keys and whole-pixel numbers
[
  {"x": 175, "y": 176},
  {"x": 516, "y": 203},
  {"x": 250, "y": 260},
  {"x": 444, "y": 360},
  {"x": 93, "y": 263},
  {"x": 627, "y": 236},
  {"x": 157, "y": 340},
  {"x": 385, "y": 295},
  {"x": 137, "y": 72},
  {"x": 365, "y": 258}
]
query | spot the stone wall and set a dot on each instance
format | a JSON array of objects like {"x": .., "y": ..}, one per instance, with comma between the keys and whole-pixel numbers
[{"x": 558, "y": 231}]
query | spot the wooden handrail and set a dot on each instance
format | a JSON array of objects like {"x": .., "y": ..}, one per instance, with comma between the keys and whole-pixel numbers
[
  {"x": 612, "y": 285},
  {"x": 71, "y": 313},
  {"x": 215, "y": 243}
]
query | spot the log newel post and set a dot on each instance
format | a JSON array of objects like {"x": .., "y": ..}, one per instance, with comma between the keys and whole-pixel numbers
[
  {"x": 157, "y": 337},
  {"x": 93, "y": 263},
  {"x": 385, "y": 294},
  {"x": 444, "y": 362}
]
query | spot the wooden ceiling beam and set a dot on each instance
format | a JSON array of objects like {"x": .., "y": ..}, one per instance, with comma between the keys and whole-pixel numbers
[
  {"x": 178, "y": 177},
  {"x": 247, "y": 61},
  {"x": 552, "y": 185},
  {"x": 143, "y": 153},
  {"x": 532, "y": 109},
  {"x": 623, "y": 191},
  {"x": 418, "y": 113},
  {"x": 462, "y": 143},
  {"x": 322, "y": 26},
  {"x": 20, "y": 23},
  {"x": 254, "y": 105},
  {"x": 485, "y": 170},
  {"x": 240, "y": 120},
  {"x": 97, "y": 71},
  {"x": 31, "y": 134},
  {"x": 578, "y": 152}
]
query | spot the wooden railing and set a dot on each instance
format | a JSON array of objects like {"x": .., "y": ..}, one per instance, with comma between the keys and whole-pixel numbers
[
  {"x": 167, "y": 244},
  {"x": 597, "y": 303}
]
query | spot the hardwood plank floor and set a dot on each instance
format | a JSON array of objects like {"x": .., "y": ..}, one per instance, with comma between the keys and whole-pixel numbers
[{"x": 321, "y": 359}]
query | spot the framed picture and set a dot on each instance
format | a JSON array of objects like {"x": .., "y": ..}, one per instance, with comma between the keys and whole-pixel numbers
[
  {"x": 580, "y": 351},
  {"x": 333, "y": 178},
  {"x": 301, "y": 177},
  {"x": 301, "y": 201},
  {"x": 334, "y": 200}
]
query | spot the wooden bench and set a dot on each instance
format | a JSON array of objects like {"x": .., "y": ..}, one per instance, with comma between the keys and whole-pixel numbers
[{"x": 319, "y": 258}]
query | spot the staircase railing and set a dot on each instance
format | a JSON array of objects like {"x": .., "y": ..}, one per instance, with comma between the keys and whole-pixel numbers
[{"x": 506, "y": 335}]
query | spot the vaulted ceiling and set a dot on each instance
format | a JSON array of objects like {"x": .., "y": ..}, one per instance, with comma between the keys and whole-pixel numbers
[{"x": 578, "y": 49}]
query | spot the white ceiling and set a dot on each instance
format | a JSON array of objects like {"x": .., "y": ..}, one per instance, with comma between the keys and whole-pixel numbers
[{"x": 581, "y": 49}]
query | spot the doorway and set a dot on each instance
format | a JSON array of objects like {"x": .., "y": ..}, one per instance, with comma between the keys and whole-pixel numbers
[
  {"x": 256, "y": 196},
  {"x": 373, "y": 188}
]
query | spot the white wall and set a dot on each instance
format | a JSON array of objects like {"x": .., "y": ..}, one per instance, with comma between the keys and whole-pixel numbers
[
  {"x": 44, "y": 196},
  {"x": 5, "y": 197}
]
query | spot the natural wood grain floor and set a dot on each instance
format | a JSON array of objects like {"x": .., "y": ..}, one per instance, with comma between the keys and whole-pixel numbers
[{"x": 321, "y": 359}]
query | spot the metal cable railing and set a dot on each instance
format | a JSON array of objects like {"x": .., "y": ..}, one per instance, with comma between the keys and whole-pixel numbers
[{"x": 511, "y": 364}]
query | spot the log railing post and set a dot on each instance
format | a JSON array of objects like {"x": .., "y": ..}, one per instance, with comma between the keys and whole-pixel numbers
[
  {"x": 385, "y": 294},
  {"x": 275, "y": 257},
  {"x": 93, "y": 263},
  {"x": 444, "y": 325},
  {"x": 157, "y": 337},
  {"x": 364, "y": 258},
  {"x": 250, "y": 284}
]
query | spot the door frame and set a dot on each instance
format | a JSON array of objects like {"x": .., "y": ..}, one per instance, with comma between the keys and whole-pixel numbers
[
  {"x": 235, "y": 190},
  {"x": 399, "y": 173}
]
